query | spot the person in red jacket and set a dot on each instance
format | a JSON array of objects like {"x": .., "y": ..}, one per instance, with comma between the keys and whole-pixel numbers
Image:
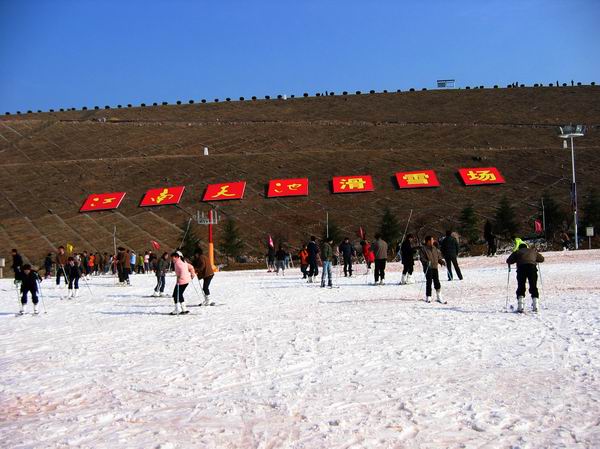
[{"x": 303, "y": 255}]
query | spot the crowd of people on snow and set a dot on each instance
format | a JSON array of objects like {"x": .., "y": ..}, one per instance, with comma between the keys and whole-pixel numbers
[
  {"x": 82, "y": 266},
  {"x": 430, "y": 252}
]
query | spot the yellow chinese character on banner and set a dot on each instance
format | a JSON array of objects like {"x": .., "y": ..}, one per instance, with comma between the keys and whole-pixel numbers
[
  {"x": 416, "y": 178},
  {"x": 164, "y": 195},
  {"x": 223, "y": 191},
  {"x": 352, "y": 183},
  {"x": 108, "y": 200},
  {"x": 481, "y": 175},
  {"x": 294, "y": 186}
]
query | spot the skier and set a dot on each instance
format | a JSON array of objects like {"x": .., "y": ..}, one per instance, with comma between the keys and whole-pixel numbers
[
  {"x": 280, "y": 261},
  {"x": 347, "y": 251},
  {"x": 29, "y": 284},
  {"x": 132, "y": 259},
  {"x": 431, "y": 257},
  {"x": 161, "y": 267},
  {"x": 366, "y": 249},
  {"x": 185, "y": 273},
  {"x": 61, "y": 261},
  {"x": 526, "y": 260},
  {"x": 74, "y": 272},
  {"x": 565, "y": 240},
  {"x": 303, "y": 255},
  {"x": 380, "y": 248},
  {"x": 450, "y": 250},
  {"x": 204, "y": 271},
  {"x": 518, "y": 242},
  {"x": 48, "y": 266},
  {"x": 327, "y": 257},
  {"x": 17, "y": 265},
  {"x": 407, "y": 254},
  {"x": 146, "y": 262},
  {"x": 490, "y": 238},
  {"x": 313, "y": 252},
  {"x": 270, "y": 259}
]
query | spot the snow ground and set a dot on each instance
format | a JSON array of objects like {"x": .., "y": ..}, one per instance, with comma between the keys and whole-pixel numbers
[{"x": 283, "y": 364}]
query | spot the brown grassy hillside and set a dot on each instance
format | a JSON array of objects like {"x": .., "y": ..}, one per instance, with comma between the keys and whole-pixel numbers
[{"x": 50, "y": 162}]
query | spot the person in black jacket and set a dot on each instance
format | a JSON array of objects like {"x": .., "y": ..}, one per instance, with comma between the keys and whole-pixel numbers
[
  {"x": 29, "y": 284},
  {"x": 17, "y": 265},
  {"x": 313, "y": 251},
  {"x": 347, "y": 251},
  {"x": 280, "y": 257},
  {"x": 407, "y": 254},
  {"x": 74, "y": 272},
  {"x": 48, "y": 266},
  {"x": 490, "y": 238},
  {"x": 450, "y": 249}
]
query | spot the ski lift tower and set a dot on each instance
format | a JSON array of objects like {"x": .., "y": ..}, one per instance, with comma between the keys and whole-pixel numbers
[
  {"x": 569, "y": 132},
  {"x": 212, "y": 219}
]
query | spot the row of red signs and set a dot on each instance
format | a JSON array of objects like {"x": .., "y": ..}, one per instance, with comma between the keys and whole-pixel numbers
[{"x": 292, "y": 187}]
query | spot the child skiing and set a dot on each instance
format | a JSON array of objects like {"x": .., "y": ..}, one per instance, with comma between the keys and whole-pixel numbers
[
  {"x": 29, "y": 284},
  {"x": 162, "y": 265},
  {"x": 74, "y": 272},
  {"x": 431, "y": 257},
  {"x": 526, "y": 260},
  {"x": 185, "y": 273}
]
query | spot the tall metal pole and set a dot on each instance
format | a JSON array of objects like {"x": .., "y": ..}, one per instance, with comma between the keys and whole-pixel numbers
[
  {"x": 327, "y": 224},
  {"x": 211, "y": 246},
  {"x": 574, "y": 193},
  {"x": 544, "y": 218}
]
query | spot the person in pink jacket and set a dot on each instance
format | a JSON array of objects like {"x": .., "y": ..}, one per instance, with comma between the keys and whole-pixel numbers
[{"x": 185, "y": 273}]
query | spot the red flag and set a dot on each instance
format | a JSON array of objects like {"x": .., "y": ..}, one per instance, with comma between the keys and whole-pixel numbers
[
  {"x": 361, "y": 233},
  {"x": 538, "y": 227},
  {"x": 271, "y": 242},
  {"x": 155, "y": 244}
]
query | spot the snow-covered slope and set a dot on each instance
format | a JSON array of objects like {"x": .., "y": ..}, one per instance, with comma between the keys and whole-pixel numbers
[{"x": 281, "y": 363}]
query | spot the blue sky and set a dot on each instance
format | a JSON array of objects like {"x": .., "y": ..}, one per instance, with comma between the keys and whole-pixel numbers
[{"x": 74, "y": 53}]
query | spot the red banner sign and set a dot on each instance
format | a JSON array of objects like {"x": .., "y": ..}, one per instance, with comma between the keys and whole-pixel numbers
[
  {"x": 352, "y": 184},
  {"x": 162, "y": 196},
  {"x": 225, "y": 191},
  {"x": 417, "y": 179},
  {"x": 288, "y": 187},
  {"x": 479, "y": 176},
  {"x": 102, "y": 201}
]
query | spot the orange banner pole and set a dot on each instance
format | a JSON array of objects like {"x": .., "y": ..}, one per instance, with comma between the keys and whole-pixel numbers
[{"x": 211, "y": 246}]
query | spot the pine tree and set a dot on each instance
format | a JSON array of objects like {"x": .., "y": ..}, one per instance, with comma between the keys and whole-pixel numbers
[
  {"x": 190, "y": 240},
  {"x": 334, "y": 232},
  {"x": 468, "y": 224},
  {"x": 554, "y": 215},
  {"x": 591, "y": 210},
  {"x": 390, "y": 228},
  {"x": 231, "y": 245},
  {"x": 505, "y": 219}
]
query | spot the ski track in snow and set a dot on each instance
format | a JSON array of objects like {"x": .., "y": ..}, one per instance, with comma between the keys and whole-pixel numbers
[{"x": 280, "y": 363}]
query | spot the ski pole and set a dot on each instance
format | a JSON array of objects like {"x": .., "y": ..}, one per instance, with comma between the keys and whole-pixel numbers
[
  {"x": 42, "y": 296},
  {"x": 507, "y": 287},
  {"x": 196, "y": 288},
  {"x": 88, "y": 286}
]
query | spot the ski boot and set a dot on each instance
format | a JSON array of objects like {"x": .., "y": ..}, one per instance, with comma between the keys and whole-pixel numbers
[
  {"x": 428, "y": 299},
  {"x": 403, "y": 280},
  {"x": 438, "y": 297},
  {"x": 176, "y": 309},
  {"x": 70, "y": 293},
  {"x": 22, "y": 309},
  {"x": 520, "y": 305},
  {"x": 535, "y": 302},
  {"x": 75, "y": 293},
  {"x": 35, "y": 309},
  {"x": 155, "y": 294},
  {"x": 184, "y": 311}
]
